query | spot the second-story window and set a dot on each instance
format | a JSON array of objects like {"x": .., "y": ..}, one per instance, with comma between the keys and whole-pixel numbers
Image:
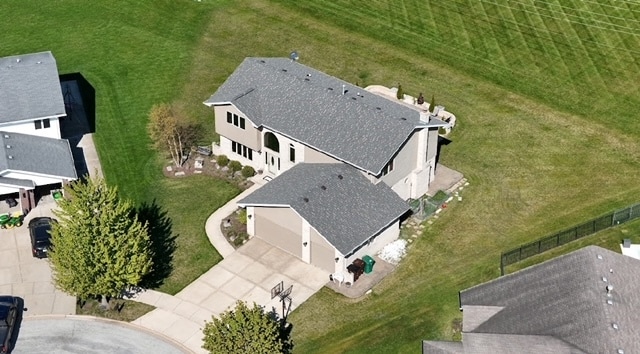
[
  {"x": 38, "y": 124},
  {"x": 236, "y": 120},
  {"x": 388, "y": 168},
  {"x": 292, "y": 153},
  {"x": 46, "y": 123}
]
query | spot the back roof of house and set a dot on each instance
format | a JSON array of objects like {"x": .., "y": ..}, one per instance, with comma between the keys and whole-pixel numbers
[
  {"x": 37, "y": 155},
  {"x": 336, "y": 199},
  {"x": 29, "y": 87},
  {"x": 331, "y": 115},
  {"x": 565, "y": 298}
]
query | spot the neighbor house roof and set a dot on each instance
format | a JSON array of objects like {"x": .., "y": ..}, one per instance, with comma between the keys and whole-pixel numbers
[
  {"x": 331, "y": 115},
  {"x": 36, "y": 154},
  {"x": 336, "y": 199},
  {"x": 29, "y": 88},
  {"x": 559, "y": 306}
]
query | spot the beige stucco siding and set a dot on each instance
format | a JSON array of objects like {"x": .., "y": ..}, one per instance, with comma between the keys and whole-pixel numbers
[
  {"x": 281, "y": 227},
  {"x": 432, "y": 143},
  {"x": 404, "y": 162},
  {"x": 385, "y": 237},
  {"x": 322, "y": 253},
  {"x": 314, "y": 156},
  {"x": 249, "y": 136}
]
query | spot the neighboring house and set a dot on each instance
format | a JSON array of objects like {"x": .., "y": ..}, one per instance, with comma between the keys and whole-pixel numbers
[
  {"x": 273, "y": 113},
  {"x": 31, "y": 104},
  {"x": 584, "y": 302},
  {"x": 326, "y": 214}
]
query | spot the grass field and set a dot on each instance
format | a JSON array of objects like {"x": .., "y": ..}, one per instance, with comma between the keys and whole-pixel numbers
[{"x": 545, "y": 94}]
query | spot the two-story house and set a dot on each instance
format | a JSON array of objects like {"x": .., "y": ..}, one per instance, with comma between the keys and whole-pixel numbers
[
  {"x": 275, "y": 113},
  {"x": 32, "y": 153}
]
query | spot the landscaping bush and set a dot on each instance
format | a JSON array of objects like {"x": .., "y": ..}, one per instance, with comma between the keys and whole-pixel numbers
[
  {"x": 242, "y": 216},
  {"x": 222, "y": 160},
  {"x": 248, "y": 171},
  {"x": 442, "y": 131},
  {"x": 235, "y": 166},
  {"x": 400, "y": 93}
]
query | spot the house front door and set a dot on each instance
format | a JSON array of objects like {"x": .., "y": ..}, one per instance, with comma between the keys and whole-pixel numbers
[{"x": 273, "y": 163}]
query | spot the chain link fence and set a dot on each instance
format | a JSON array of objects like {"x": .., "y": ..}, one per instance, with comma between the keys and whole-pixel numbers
[{"x": 558, "y": 239}]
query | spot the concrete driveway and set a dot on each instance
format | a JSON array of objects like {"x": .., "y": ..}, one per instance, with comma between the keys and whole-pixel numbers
[
  {"x": 248, "y": 275},
  {"x": 27, "y": 277}
]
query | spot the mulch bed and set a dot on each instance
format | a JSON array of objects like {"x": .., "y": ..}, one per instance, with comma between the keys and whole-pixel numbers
[{"x": 209, "y": 168}]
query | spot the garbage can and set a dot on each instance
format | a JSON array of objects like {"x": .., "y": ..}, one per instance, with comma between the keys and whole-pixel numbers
[{"x": 368, "y": 264}]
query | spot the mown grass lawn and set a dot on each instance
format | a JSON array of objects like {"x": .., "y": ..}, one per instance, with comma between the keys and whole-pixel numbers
[
  {"x": 134, "y": 55},
  {"x": 545, "y": 96}
]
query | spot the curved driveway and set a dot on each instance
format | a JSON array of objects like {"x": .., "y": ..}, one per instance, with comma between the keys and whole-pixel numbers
[{"x": 88, "y": 335}]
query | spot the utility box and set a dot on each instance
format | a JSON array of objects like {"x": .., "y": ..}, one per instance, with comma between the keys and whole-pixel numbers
[{"x": 368, "y": 264}]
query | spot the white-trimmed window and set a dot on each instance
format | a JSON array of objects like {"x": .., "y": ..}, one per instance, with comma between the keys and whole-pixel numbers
[
  {"x": 242, "y": 150},
  {"x": 42, "y": 123},
  {"x": 292, "y": 153},
  {"x": 236, "y": 120},
  {"x": 388, "y": 168}
]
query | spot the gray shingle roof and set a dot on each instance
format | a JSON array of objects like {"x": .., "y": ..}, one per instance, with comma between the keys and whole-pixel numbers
[
  {"x": 347, "y": 212},
  {"x": 16, "y": 182},
  {"x": 358, "y": 127},
  {"x": 36, "y": 154},
  {"x": 566, "y": 298},
  {"x": 29, "y": 87}
]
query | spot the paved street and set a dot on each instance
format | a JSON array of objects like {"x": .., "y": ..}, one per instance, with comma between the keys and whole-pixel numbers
[{"x": 89, "y": 335}]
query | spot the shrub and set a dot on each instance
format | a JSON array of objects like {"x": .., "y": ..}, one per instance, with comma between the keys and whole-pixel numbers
[
  {"x": 248, "y": 171},
  {"x": 235, "y": 166},
  {"x": 242, "y": 216},
  {"x": 442, "y": 131},
  {"x": 222, "y": 160},
  {"x": 400, "y": 93}
]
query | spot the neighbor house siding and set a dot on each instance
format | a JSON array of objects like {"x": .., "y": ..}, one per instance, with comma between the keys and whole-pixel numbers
[
  {"x": 314, "y": 156},
  {"x": 249, "y": 136},
  {"x": 29, "y": 127},
  {"x": 38, "y": 179},
  {"x": 281, "y": 227},
  {"x": 322, "y": 253}
]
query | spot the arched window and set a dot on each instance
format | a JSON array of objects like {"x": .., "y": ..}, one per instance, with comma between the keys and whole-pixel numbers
[{"x": 271, "y": 141}]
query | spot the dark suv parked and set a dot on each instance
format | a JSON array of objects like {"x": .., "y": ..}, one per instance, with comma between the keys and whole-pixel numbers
[
  {"x": 9, "y": 307},
  {"x": 39, "y": 229}
]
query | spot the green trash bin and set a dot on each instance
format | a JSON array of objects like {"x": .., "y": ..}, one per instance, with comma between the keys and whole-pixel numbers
[{"x": 368, "y": 264}]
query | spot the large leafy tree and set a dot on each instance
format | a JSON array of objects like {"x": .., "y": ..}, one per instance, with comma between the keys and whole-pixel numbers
[
  {"x": 99, "y": 246},
  {"x": 170, "y": 134},
  {"x": 246, "y": 329}
]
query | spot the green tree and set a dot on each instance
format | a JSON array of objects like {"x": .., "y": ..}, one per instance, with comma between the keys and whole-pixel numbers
[
  {"x": 400, "y": 92},
  {"x": 169, "y": 133},
  {"x": 99, "y": 246},
  {"x": 246, "y": 330}
]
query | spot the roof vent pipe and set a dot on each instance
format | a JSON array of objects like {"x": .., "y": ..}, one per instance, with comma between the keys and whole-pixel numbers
[
  {"x": 344, "y": 89},
  {"x": 609, "y": 289}
]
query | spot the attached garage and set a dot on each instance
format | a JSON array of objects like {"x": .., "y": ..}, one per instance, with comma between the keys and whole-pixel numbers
[
  {"x": 281, "y": 227},
  {"x": 322, "y": 253},
  {"x": 322, "y": 213}
]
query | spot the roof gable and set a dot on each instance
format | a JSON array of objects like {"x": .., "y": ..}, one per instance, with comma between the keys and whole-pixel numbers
[
  {"x": 335, "y": 199},
  {"x": 29, "y": 87},
  {"x": 343, "y": 120}
]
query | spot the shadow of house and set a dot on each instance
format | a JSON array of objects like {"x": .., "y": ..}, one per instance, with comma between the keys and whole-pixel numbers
[
  {"x": 79, "y": 102},
  {"x": 163, "y": 243}
]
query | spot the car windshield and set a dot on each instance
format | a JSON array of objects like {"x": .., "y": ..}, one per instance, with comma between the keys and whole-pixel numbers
[{"x": 42, "y": 234}]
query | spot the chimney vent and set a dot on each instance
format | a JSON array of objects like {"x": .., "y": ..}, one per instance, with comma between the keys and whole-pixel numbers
[{"x": 614, "y": 325}]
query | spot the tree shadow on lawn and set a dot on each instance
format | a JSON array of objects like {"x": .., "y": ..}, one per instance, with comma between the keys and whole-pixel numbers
[{"x": 163, "y": 243}]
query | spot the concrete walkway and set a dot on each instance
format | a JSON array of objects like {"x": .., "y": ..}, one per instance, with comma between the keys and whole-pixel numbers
[{"x": 247, "y": 274}]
